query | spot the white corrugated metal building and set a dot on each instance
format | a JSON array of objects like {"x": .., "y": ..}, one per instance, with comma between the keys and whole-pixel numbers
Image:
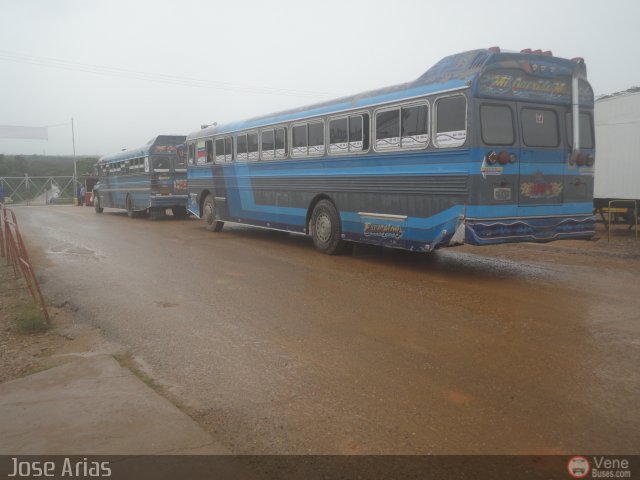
[{"x": 617, "y": 165}]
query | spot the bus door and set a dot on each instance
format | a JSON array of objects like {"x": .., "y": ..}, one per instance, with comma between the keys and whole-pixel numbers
[
  {"x": 542, "y": 156},
  {"x": 220, "y": 192}
]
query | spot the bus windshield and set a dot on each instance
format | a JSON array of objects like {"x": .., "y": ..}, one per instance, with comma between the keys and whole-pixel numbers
[{"x": 161, "y": 164}]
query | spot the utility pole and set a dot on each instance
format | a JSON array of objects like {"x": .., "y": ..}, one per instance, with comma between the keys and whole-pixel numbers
[{"x": 75, "y": 167}]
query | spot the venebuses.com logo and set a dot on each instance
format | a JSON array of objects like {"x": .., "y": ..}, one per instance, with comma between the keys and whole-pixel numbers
[
  {"x": 599, "y": 467},
  {"x": 578, "y": 467}
]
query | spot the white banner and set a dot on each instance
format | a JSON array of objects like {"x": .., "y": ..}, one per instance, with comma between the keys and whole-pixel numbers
[{"x": 31, "y": 133}]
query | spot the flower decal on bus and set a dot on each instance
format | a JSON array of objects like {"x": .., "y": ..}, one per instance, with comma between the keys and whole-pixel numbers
[{"x": 541, "y": 189}]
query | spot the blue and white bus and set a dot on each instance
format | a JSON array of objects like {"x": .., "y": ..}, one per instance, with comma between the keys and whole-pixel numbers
[
  {"x": 479, "y": 149},
  {"x": 146, "y": 180}
]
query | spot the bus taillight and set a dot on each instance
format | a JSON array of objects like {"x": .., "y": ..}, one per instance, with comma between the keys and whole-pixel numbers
[
  {"x": 492, "y": 158},
  {"x": 590, "y": 160},
  {"x": 581, "y": 159},
  {"x": 503, "y": 158}
]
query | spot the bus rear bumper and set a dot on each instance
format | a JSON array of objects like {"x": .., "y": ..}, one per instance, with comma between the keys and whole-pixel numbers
[
  {"x": 168, "y": 201},
  {"x": 523, "y": 229}
]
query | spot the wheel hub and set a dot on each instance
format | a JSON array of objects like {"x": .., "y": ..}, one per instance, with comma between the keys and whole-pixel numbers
[{"x": 323, "y": 227}]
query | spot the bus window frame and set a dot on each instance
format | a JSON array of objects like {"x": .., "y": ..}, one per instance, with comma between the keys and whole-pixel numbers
[
  {"x": 373, "y": 138},
  {"x": 227, "y": 156},
  {"x": 348, "y": 115},
  {"x": 437, "y": 100},
  {"x": 306, "y": 124},
  {"x": 246, "y": 133}
]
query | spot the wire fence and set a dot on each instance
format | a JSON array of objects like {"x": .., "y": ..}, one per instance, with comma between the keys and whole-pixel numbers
[
  {"x": 37, "y": 190},
  {"x": 12, "y": 248}
]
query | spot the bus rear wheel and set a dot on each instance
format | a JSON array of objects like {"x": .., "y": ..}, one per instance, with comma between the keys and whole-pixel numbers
[
  {"x": 96, "y": 204},
  {"x": 209, "y": 215},
  {"x": 325, "y": 228}
]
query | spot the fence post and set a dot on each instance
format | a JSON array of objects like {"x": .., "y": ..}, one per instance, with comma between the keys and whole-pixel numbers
[
  {"x": 2, "y": 252},
  {"x": 18, "y": 258}
]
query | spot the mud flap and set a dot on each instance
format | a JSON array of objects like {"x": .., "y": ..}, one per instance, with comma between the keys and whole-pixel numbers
[{"x": 459, "y": 236}]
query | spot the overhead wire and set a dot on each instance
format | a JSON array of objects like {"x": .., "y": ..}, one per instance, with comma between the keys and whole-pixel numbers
[{"x": 153, "y": 77}]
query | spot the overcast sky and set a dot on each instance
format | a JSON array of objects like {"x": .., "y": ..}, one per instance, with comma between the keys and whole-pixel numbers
[{"x": 128, "y": 70}]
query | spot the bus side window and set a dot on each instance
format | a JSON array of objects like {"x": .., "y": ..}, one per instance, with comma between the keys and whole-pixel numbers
[
  {"x": 241, "y": 146},
  {"x": 451, "y": 121},
  {"x": 388, "y": 129},
  {"x": 359, "y": 133},
  {"x": 414, "y": 132},
  {"x": 316, "y": 138},
  {"x": 281, "y": 143},
  {"x": 192, "y": 154},
  {"x": 209, "y": 149},
  {"x": 228, "y": 149},
  {"x": 339, "y": 135},
  {"x": 299, "y": 140},
  {"x": 267, "y": 144},
  {"x": 219, "y": 150},
  {"x": 252, "y": 146}
]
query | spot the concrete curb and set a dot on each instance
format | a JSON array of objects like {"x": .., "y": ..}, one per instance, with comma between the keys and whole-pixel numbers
[{"x": 94, "y": 406}]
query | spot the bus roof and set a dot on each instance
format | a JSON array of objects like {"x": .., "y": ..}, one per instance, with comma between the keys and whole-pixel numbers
[
  {"x": 151, "y": 147},
  {"x": 455, "y": 72}
]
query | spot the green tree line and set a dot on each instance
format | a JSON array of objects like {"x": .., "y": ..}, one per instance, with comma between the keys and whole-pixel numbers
[{"x": 43, "y": 165}]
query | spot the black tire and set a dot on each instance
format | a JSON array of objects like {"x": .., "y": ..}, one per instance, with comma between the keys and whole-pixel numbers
[
  {"x": 179, "y": 212},
  {"x": 130, "y": 212},
  {"x": 209, "y": 215},
  {"x": 96, "y": 204},
  {"x": 325, "y": 228}
]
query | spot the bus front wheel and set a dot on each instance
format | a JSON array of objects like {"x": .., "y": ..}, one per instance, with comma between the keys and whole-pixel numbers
[
  {"x": 209, "y": 215},
  {"x": 325, "y": 228}
]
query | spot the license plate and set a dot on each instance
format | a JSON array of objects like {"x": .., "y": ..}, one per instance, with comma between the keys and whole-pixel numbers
[{"x": 502, "y": 194}]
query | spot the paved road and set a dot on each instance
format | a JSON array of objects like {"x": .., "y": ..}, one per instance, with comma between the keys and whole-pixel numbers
[{"x": 276, "y": 348}]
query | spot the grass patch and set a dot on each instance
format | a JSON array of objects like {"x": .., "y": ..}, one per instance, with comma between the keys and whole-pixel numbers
[
  {"x": 29, "y": 319},
  {"x": 35, "y": 370},
  {"x": 125, "y": 360}
]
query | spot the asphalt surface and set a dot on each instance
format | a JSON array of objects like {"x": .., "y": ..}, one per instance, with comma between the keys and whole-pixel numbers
[{"x": 276, "y": 348}]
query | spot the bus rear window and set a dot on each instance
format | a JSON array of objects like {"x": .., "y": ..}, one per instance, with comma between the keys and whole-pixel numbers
[
  {"x": 586, "y": 130},
  {"x": 539, "y": 127},
  {"x": 496, "y": 124},
  {"x": 161, "y": 164}
]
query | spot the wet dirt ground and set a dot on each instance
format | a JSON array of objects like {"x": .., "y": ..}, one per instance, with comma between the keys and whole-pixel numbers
[{"x": 275, "y": 348}]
